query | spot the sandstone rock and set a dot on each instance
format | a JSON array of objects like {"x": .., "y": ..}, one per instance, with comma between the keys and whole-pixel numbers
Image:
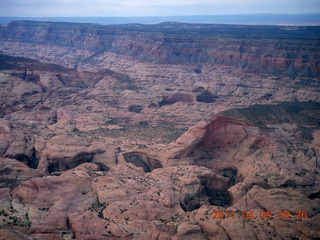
[
  {"x": 238, "y": 229},
  {"x": 181, "y": 147},
  {"x": 222, "y": 131},
  {"x": 48, "y": 215},
  {"x": 87, "y": 123},
  {"x": 116, "y": 165},
  {"x": 11, "y": 234},
  {"x": 213, "y": 231},
  {"x": 4, "y": 143},
  {"x": 64, "y": 152},
  {"x": 21, "y": 89},
  {"x": 21, "y": 148},
  {"x": 190, "y": 231},
  {"x": 14, "y": 172},
  {"x": 142, "y": 160},
  {"x": 5, "y": 127},
  {"x": 46, "y": 115},
  {"x": 5, "y": 198},
  {"x": 316, "y": 142},
  {"x": 49, "y": 82},
  {"x": 279, "y": 199},
  {"x": 238, "y": 191},
  {"x": 64, "y": 115}
]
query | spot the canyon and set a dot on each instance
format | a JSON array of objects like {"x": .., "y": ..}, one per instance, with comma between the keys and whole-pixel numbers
[{"x": 136, "y": 131}]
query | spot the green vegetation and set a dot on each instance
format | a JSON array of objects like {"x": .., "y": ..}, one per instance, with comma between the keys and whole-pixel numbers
[
  {"x": 305, "y": 114},
  {"x": 98, "y": 207}
]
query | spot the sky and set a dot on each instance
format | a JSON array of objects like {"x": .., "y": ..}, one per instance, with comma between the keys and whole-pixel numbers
[{"x": 111, "y": 8}]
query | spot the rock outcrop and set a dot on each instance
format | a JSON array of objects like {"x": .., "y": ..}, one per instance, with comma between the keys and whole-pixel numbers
[
  {"x": 205, "y": 145},
  {"x": 225, "y": 165}
]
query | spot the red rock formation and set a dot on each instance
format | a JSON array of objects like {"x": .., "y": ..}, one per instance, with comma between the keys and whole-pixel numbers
[
  {"x": 90, "y": 201},
  {"x": 268, "y": 49},
  {"x": 223, "y": 131},
  {"x": 112, "y": 168}
]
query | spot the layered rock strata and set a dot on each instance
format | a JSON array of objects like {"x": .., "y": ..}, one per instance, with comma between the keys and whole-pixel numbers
[
  {"x": 270, "y": 49},
  {"x": 122, "y": 147}
]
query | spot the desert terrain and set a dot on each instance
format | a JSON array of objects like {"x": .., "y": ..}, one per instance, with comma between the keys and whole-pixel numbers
[{"x": 159, "y": 131}]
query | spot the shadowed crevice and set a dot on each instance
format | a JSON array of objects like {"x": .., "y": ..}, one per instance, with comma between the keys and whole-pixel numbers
[{"x": 142, "y": 160}]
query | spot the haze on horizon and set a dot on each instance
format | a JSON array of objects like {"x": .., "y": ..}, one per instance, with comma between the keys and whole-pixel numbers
[{"x": 128, "y": 8}]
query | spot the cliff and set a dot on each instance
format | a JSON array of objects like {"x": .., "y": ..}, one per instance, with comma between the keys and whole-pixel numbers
[{"x": 290, "y": 50}]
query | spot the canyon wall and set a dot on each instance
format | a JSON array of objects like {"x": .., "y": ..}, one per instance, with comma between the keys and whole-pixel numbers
[{"x": 288, "y": 50}]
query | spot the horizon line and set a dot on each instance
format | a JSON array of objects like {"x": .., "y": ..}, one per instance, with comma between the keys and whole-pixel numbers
[{"x": 150, "y": 16}]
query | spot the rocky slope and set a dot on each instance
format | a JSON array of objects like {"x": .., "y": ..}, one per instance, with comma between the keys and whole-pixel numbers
[
  {"x": 169, "y": 191},
  {"x": 269, "y": 49},
  {"x": 126, "y": 148}
]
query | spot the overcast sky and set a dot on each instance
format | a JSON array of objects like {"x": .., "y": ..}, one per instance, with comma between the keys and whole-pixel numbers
[{"x": 86, "y": 8}]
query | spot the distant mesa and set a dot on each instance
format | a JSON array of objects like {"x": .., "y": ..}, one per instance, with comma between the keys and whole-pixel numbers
[{"x": 256, "y": 49}]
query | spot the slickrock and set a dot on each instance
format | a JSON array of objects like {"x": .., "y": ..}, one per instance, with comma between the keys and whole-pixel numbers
[
  {"x": 11, "y": 234},
  {"x": 14, "y": 172},
  {"x": 17, "y": 145},
  {"x": 316, "y": 142},
  {"x": 158, "y": 132},
  {"x": 91, "y": 201},
  {"x": 64, "y": 152}
]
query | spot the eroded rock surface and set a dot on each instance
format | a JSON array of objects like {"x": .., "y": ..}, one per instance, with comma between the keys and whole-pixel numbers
[
  {"x": 227, "y": 164},
  {"x": 122, "y": 147}
]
